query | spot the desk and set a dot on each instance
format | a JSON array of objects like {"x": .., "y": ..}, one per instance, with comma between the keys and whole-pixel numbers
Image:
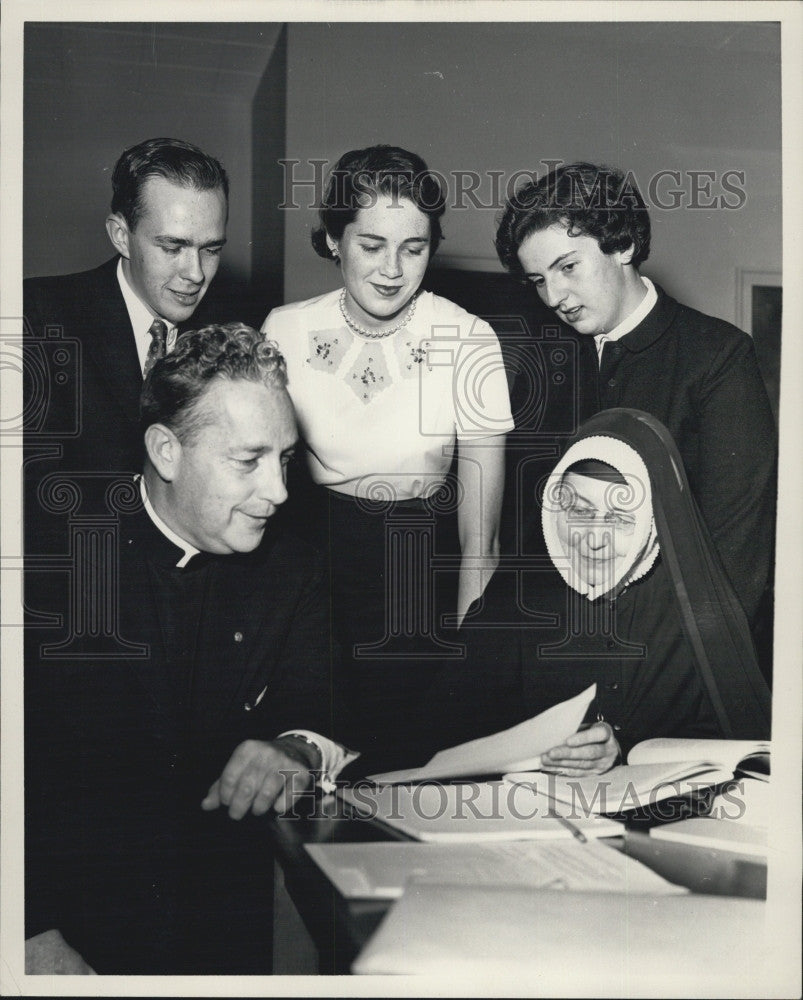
[
  {"x": 337, "y": 928},
  {"x": 316, "y": 930}
]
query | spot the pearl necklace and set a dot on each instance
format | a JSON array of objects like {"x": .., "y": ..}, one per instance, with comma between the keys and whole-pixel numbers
[{"x": 376, "y": 334}]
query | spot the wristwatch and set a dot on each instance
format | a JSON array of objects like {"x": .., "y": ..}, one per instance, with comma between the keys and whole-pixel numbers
[{"x": 324, "y": 779}]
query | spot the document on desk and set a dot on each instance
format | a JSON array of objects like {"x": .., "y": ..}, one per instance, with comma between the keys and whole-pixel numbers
[
  {"x": 471, "y": 812},
  {"x": 690, "y": 945},
  {"x": 381, "y": 871},
  {"x": 516, "y": 749}
]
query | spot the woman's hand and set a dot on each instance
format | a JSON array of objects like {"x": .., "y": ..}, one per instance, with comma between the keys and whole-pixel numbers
[{"x": 588, "y": 751}]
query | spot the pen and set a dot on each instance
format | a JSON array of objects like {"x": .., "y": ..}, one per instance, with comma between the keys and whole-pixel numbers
[{"x": 573, "y": 830}]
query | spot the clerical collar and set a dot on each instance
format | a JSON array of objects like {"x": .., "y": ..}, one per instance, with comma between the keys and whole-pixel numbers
[
  {"x": 188, "y": 550},
  {"x": 141, "y": 318},
  {"x": 629, "y": 323}
]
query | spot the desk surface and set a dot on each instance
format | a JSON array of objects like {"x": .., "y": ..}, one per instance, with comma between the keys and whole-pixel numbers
[{"x": 339, "y": 928}]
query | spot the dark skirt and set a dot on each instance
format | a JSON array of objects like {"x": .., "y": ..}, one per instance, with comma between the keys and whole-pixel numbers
[{"x": 394, "y": 570}]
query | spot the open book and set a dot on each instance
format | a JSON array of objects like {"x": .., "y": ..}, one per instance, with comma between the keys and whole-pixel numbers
[
  {"x": 751, "y": 756},
  {"x": 657, "y": 769}
]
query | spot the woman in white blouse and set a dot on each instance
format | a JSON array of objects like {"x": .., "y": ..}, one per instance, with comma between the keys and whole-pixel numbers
[{"x": 386, "y": 380}]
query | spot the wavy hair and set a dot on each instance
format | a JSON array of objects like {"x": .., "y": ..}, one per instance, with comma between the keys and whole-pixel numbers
[
  {"x": 360, "y": 175},
  {"x": 177, "y": 161},
  {"x": 176, "y": 383},
  {"x": 600, "y": 202}
]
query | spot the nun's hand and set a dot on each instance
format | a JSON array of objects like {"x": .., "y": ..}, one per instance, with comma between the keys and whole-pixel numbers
[{"x": 588, "y": 751}]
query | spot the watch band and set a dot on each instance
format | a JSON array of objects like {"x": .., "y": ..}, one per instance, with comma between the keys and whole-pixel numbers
[{"x": 324, "y": 778}]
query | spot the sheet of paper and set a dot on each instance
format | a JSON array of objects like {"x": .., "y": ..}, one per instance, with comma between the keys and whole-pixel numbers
[
  {"x": 516, "y": 749},
  {"x": 635, "y": 946},
  {"x": 469, "y": 812},
  {"x": 380, "y": 871}
]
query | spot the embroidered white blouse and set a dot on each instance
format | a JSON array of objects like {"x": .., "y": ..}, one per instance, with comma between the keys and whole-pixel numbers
[{"x": 380, "y": 416}]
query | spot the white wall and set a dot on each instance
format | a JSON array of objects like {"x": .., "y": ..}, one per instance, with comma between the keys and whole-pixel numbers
[
  {"x": 91, "y": 90},
  {"x": 647, "y": 97}
]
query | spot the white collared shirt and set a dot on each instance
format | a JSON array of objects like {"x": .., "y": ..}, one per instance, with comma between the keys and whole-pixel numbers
[
  {"x": 642, "y": 310},
  {"x": 334, "y": 757},
  {"x": 141, "y": 318}
]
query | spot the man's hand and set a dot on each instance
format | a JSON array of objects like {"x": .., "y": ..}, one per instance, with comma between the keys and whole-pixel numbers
[
  {"x": 260, "y": 775},
  {"x": 48, "y": 954},
  {"x": 588, "y": 751}
]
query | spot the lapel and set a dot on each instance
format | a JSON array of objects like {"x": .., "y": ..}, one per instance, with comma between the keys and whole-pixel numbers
[
  {"x": 653, "y": 326},
  {"x": 109, "y": 340}
]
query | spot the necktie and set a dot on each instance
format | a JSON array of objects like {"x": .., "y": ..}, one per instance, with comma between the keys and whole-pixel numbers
[{"x": 158, "y": 332}]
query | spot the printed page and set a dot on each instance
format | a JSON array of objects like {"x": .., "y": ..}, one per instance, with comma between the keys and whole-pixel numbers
[{"x": 380, "y": 871}]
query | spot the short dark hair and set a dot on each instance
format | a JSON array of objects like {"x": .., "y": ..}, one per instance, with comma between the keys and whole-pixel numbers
[
  {"x": 177, "y": 161},
  {"x": 176, "y": 383},
  {"x": 601, "y": 202},
  {"x": 382, "y": 169}
]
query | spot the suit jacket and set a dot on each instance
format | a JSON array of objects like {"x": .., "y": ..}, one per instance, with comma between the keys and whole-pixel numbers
[
  {"x": 83, "y": 374},
  {"x": 121, "y": 748},
  {"x": 699, "y": 376},
  {"x": 95, "y": 417}
]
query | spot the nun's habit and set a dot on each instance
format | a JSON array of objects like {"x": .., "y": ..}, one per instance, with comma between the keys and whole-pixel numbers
[{"x": 661, "y": 633}]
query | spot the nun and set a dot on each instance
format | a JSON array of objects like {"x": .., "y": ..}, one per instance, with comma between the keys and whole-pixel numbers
[{"x": 633, "y": 598}]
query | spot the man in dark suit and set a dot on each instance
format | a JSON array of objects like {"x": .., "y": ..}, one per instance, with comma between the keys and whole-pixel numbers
[
  {"x": 580, "y": 234},
  {"x": 138, "y": 762},
  {"x": 168, "y": 226}
]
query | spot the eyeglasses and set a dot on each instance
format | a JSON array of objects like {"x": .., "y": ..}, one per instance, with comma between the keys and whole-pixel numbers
[{"x": 582, "y": 513}]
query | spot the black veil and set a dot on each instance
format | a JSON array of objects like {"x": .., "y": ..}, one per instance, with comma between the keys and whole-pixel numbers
[{"x": 713, "y": 619}]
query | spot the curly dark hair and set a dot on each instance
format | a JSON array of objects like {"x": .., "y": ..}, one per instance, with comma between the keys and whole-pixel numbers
[
  {"x": 176, "y": 383},
  {"x": 177, "y": 161},
  {"x": 362, "y": 174},
  {"x": 601, "y": 202}
]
